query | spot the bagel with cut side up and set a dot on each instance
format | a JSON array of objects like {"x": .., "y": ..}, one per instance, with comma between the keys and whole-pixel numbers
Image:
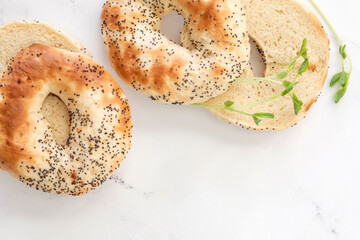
[{"x": 279, "y": 27}]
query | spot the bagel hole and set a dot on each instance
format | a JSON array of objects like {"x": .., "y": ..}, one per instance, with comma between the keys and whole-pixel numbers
[
  {"x": 171, "y": 26},
  {"x": 256, "y": 59},
  {"x": 57, "y": 116}
]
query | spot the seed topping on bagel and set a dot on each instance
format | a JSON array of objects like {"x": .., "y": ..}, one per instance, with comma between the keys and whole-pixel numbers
[
  {"x": 100, "y": 123},
  {"x": 213, "y": 51}
]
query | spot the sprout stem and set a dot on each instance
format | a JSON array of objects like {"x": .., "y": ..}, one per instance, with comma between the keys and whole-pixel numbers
[{"x": 335, "y": 33}]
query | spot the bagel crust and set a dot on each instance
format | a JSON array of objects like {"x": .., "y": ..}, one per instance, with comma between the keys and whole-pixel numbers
[
  {"x": 213, "y": 52},
  {"x": 100, "y": 122}
]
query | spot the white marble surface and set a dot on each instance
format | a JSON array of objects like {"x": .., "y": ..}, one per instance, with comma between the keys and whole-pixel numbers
[{"x": 190, "y": 176}]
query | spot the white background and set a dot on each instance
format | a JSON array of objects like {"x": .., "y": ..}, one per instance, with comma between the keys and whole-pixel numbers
[{"x": 191, "y": 176}]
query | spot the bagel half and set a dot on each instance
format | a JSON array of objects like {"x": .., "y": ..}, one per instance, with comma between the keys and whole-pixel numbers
[
  {"x": 278, "y": 27},
  {"x": 100, "y": 124},
  {"x": 213, "y": 51},
  {"x": 18, "y": 35}
]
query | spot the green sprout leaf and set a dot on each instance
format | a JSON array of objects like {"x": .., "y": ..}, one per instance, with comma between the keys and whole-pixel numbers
[
  {"x": 340, "y": 94},
  {"x": 264, "y": 115},
  {"x": 304, "y": 67},
  {"x": 344, "y": 78},
  {"x": 304, "y": 55},
  {"x": 292, "y": 64},
  {"x": 335, "y": 79},
  {"x": 303, "y": 46},
  {"x": 257, "y": 116},
  {"x": 256, "y": 120},
  {"x": 303, "y": 50},
  {"x": 229, "y": 103},
  {"x": 286, "y": 84},
  {"x": 287, "y": 90},
  {"x": 297, "y": 104},
  {"x": 342, "y": 51},
  {"x": 281, "y": 75}
]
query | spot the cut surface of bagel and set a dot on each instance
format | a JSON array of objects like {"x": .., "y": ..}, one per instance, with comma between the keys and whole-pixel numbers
[
  {"x": 279, "y": 27},
  {"x": 213, "y": 52},
  {"x": 18, "y": 35},
  {"x": 100, "y": 121}
]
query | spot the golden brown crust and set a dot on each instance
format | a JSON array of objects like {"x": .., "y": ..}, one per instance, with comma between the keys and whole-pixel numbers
[
  {"x": 128, "y": 67},
  {"x": 213, "y": 18},
  {"x": 27, "y": 149},
  {"x": 27, "y": 33},
  {"x": 309, "y": 104},
  {"x": 210, "y": 58}
]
